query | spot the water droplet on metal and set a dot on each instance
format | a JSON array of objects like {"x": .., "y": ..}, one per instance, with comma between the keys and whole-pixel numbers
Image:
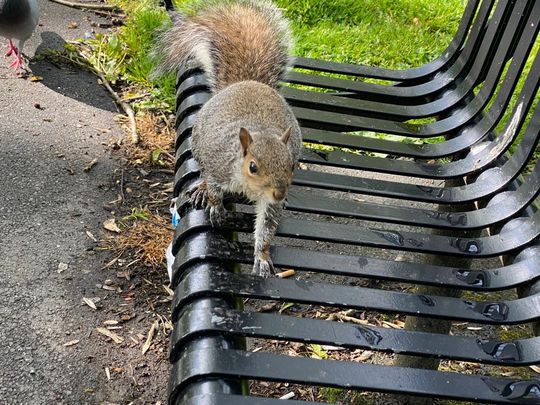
[
  {"x": 393, "y": 237},
  {"x": 467, "y": 245},
  {"x": 498, "y": 311},
  {"x": 435, "y": 192},
  {"x": 473, "y": 277},
  {"x": 369, "y": 335},
  {"x": 509, "y": 351},
  {"x": 424, "y": 299}
]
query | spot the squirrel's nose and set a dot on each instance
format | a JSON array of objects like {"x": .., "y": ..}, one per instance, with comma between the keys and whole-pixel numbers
[{"x": 279, "y": 194}]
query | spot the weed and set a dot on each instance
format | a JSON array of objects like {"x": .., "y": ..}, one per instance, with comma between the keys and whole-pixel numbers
[{"x": 137, "y": 213}]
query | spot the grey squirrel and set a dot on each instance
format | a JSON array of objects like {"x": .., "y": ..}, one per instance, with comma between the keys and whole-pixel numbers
[{"x": 246, "y": 138}]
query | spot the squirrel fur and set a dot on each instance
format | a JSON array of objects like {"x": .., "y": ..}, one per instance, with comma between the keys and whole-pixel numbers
[{"x": 245, "y": 138}]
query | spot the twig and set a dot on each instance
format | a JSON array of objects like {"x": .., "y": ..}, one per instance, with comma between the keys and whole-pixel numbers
[
  {"x": 125, "y": 106},
  {"x": 109, "y": 14},
  {"x": 161, "y": 150},
  {"x": 85, "y": 5},
  {"x": 122, "y": 187},
  {"x": 346, "y": 318}
]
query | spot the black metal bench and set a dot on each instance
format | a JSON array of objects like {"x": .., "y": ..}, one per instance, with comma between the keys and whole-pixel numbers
[{"x": 440, "y": 224}]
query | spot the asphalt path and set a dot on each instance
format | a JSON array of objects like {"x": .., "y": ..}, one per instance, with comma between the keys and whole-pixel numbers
[{"x": 49, "y": 131}]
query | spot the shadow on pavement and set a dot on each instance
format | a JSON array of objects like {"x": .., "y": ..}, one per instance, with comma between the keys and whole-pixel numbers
[{"x": 71, "y": 82}]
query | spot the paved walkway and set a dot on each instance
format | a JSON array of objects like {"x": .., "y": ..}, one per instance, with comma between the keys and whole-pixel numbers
[{"x": 49, "y": 131}]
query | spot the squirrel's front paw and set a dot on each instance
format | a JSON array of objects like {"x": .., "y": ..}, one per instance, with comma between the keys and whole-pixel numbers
[
  {"x": 263, "y": 268},
  {"x": 198, "y": 197}
]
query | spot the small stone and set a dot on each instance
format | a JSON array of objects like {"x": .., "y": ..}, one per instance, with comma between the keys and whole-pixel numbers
[{"x": 62, "y": 267}]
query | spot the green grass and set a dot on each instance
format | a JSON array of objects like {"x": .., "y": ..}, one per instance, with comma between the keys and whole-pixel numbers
[{"x": 385, "y": 33}]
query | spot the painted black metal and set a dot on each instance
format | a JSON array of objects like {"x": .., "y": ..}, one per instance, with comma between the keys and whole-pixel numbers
[
  {"x": 215, "y": 363},
  {"x": 501, "y": 176},
  {"x": 196, "y": 321}
]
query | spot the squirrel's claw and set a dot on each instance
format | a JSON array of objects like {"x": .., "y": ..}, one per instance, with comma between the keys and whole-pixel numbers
[
  {"x": 198, "y": 197},
  {"x": 263, "y": 268}
]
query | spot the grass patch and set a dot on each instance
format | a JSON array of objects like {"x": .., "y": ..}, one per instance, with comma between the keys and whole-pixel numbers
[
  {"x": 145, "y": 235},
  {"x": 386, "y": 33}
]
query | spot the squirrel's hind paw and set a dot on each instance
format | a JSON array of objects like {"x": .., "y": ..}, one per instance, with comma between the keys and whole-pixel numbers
[
  {"x": 217, "y": 214},
  {"x": 263, "y": 268}
]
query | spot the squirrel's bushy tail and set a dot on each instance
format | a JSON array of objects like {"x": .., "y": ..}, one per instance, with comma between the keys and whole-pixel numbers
[{"x": 233, "y": 40}]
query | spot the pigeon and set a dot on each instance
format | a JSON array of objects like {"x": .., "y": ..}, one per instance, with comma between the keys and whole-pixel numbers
[{"x": 18, "y": 19}]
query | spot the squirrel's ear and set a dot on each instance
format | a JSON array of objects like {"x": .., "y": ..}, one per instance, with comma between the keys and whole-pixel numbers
[
  {"x": 286, "y": 135},
  {"x": 245, "y": 139}
]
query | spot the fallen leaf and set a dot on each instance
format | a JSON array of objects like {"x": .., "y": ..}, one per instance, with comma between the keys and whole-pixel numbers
[
  {"x": 508, "y": 374},
  {"x": 72, "y": 25},
  {"x": 62, "y": 267},
  {"x": 149, "y": 338},
  {"x": 71, "y": 343},
  {"x": 112, "y": 335},
  {"x": 365, "y": 355},
  {"x": 90, "y": 165},
  {"x": 35, "y": 78},
  {"x": 110, "y": 225},
  {"x": 89, "y": 234},
  {"x": 393, "y": 325},
  {"x": 285, "y": 306},
  {"x": 329, "y": 348},
  {"x": 113, "y": 261},
  {"x": 110, "y": 322},
  {"x": 269, "y": 307},
  {"x": 90, "y": 303},
  {"x": 123, "y": 274},
  {"x": 535, "y": 369},
  {"x": 317, "y": 351}
]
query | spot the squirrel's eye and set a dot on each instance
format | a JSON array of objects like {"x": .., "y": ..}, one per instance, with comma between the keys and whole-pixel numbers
[{"x": 252, "y": 168}]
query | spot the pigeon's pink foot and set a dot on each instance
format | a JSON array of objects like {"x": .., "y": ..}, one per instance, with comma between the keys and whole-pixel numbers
[
  {"x": 12, "y": 49},
  {"x": 18, "y": 64}
]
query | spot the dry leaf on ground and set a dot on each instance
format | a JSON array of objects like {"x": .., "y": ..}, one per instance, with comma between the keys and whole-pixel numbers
[
  {"x": 110, "y": 225},
  {"x": 149, "y": 338},
  {"x": 110, "y": 322},
  {"x": 90, "y": 165},
  {"x": 71, "y": 342},
  {"x": 112, "y": 335},
  {"x": 90, "y": 303},
  {"x": 91, "y": 236}
]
